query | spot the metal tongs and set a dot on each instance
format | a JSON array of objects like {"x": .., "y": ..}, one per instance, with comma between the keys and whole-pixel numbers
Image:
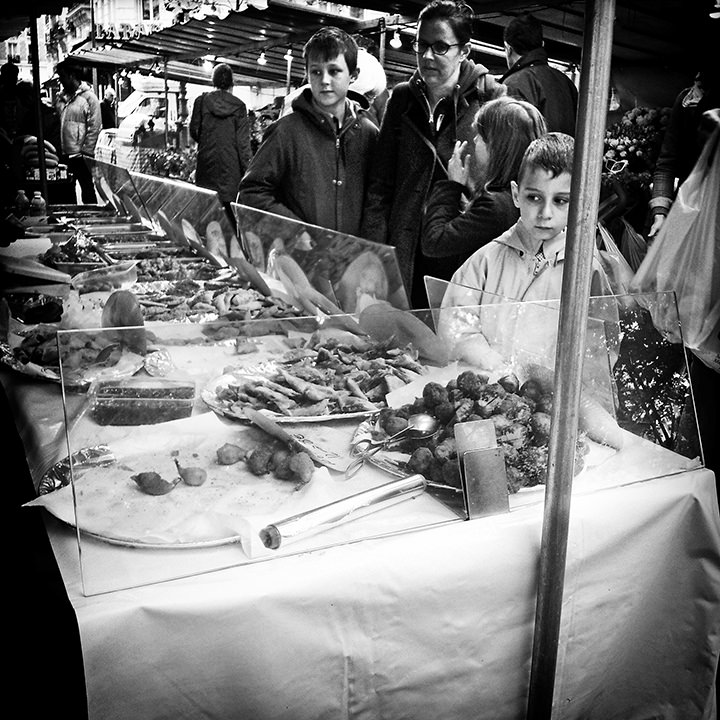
[
  {"x": 420, "y": 425},
  {"x": 80, "y": 244}
]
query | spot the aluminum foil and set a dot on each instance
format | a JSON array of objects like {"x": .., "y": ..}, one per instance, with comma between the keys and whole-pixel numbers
[
  {"x": 342, "y": 511},
  {"x": 158, "y": 363},
  {"x": 59, "y": 474}
]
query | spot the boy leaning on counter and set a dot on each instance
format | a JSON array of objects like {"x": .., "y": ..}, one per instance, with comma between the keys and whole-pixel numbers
[{"x": 525, "y": 262}]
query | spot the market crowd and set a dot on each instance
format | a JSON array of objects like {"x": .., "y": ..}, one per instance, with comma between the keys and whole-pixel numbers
[{"x": 466, "y": 175}]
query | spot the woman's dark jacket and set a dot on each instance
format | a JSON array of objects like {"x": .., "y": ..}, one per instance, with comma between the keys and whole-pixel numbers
[
  {"x": 221, "y": 127},
  {"x": 455, "y": 232},
  {"x": 308, "y": 169},
  {"x": 412, "y": 154}
]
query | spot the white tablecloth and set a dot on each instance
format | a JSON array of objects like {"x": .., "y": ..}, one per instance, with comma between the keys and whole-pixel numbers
[
  {"x": 430, "y": 623},
  {"x": 434, "y": 623}
]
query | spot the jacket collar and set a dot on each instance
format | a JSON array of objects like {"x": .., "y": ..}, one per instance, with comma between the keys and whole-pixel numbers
[
  {"x": 538, "y": 56},
  {"x": 518, "y": 238},
  {"x": 303, "y": 103}
]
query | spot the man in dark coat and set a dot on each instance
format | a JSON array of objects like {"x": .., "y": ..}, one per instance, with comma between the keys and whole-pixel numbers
[
  {"x": 221, "y": 127},
  {"x": 530, "y": 78}
]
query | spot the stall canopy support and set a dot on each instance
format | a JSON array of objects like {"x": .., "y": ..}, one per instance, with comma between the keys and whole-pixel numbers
[{"x": 582, "y": 220}]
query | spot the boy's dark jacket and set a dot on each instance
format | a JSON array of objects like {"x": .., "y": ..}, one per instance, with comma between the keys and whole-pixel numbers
[
  {"x": 410, "y": 156},
  {"x": 307, "y": 170}
]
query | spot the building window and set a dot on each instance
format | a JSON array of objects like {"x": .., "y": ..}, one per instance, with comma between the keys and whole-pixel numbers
[
  {"x": 151, "y": 9},
  {"x": 12, "y": 52}
]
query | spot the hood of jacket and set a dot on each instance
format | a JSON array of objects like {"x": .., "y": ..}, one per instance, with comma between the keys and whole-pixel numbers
[
  {"x": 354, "y": 104},
  {"x": 467, "y": 84},
  {"x": 221, "y": 104},
  {"x": 538, "y": 56}
]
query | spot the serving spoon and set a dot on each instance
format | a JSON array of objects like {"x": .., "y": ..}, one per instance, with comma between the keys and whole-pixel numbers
[{"x": 420, "y": 425}]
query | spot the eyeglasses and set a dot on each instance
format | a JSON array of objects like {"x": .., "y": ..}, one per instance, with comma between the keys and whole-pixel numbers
[
  {"x": 614, "y": 167},
  {"x": 438, "y": 47}
]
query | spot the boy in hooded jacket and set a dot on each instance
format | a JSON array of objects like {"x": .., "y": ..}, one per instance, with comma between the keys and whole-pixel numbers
[{"x": 313, "y": 163}]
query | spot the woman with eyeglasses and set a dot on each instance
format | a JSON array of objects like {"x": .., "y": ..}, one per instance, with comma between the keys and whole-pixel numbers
[
  {"x": 423, "y": 120},
  {"x": 454, "y": 229}
]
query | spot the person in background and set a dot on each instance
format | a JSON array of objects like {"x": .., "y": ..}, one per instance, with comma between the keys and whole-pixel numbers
[
  {"x": 525, "y": 262},
  {"x": 10, "y": 103},
  {"x": 685, "y": 135},
  {"x": 108, "y": 108},
  {"x": 313, "y": 163},
  {"x": 530, "y": 77},
  {"x": 695, "y": 115},
  {"x": 221, "y": 127},
  {"x": 504, "y": 128},
  {"x": 80, "y": 125},
  {"x": 423, "y": 119}
]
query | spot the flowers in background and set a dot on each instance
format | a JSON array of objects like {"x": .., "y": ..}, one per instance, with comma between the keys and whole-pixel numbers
[
  {"x": 632, "y": 145},
  {"x": 172, "y": 163}
]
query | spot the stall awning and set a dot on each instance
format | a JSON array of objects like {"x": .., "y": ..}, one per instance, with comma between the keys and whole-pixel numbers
[{"x": 646, "y": 33}]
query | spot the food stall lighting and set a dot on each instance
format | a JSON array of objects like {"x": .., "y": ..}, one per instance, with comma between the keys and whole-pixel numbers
[
  {"x": 262, "y": 60},
  {"x": 396, "y": 42},
  {"x": 288, "y": 55}
]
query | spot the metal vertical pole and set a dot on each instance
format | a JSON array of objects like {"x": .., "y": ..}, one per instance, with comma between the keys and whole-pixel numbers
[
  {"x": 584, "y": 200},
  {"x": 167, "y": 101},
  {"x": 381, "y": 42},
  {"x": 35, "y": 57}
]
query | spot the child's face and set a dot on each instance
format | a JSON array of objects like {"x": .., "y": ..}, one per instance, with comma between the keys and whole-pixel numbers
[
  {"x": 543, "y": 201},
  {"x": 329, "y": 81}
]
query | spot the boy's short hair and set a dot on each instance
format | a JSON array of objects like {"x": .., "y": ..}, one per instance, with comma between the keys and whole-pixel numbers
[
  {"x": 222, "y": 76},
  {"x": 524, "y": 33},
  {"x": 458, "y": 15},
  {"x": 330, "y": 42},
  {"x": 553, "y": 152}
]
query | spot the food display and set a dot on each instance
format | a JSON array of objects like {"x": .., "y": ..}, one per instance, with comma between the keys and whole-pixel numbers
[
  {"x": 519, "y": 413},
  {"x": 320, "y": 378},
  {"x": 182, "y": 488}
]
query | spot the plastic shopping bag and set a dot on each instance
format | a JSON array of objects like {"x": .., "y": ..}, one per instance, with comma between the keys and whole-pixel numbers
[
  {"x": 685, "y": 258},
  {"x": 616, "y": 267},
  {"x": 633, "y": 245}
]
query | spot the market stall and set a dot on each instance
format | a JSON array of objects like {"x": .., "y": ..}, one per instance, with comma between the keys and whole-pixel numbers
[{"x": 220, "y": 617}]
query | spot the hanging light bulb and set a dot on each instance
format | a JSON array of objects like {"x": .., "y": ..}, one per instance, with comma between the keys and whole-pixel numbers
[
  {"x": 262, "y": 60},
  {"x": 288, "y": 55},
  {"x": 395, "y": 41}
]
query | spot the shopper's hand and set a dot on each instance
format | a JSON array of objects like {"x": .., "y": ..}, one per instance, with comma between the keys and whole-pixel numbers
[
  {"x": 657, "y": 223},
  {"x": 459, "y": 167}
]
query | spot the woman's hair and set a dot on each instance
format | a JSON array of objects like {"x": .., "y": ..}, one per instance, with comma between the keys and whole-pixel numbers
[
  {"x": 553, "y": 152},
  {"x": 458, "y": 15},
  {"x": 507, "y": 126},
  {"x": 222, "y": 76},
  {"x": 330, "y": 42}
]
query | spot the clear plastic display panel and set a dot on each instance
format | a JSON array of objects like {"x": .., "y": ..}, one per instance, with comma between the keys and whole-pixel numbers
[
  {"x": 349, "y": 272},
  {"x": 115, "y": 188},
  {"x": 145, "y": 404},
  {"x": 633, "y": 366},
  {"x": 187, "y": 213}
]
